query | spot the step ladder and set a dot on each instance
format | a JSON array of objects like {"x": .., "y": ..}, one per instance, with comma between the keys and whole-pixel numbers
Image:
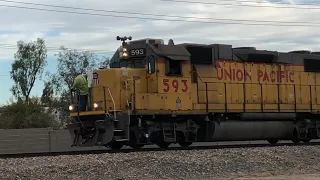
[
  {"x": 169, "y": 133},
  {"x": 119, "y": 133}
]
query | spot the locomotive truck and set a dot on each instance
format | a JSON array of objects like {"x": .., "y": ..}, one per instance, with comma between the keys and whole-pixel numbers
[{"x": 156, "y": 93}]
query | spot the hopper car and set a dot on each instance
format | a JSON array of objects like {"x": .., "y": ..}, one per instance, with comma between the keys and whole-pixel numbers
[{"x": 157, "y": 93}]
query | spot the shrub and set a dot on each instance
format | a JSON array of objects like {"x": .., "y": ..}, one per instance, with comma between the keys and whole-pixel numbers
[{"x": 22, "y": 115}]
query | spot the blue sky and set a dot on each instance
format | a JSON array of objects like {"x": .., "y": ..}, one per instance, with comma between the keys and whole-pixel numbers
[{"x": 5, "y": 67}]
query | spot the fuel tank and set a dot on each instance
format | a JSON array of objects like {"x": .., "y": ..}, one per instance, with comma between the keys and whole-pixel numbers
[
  {"x": 251, "y": 130},
  {"x": 268, "y": 116}
]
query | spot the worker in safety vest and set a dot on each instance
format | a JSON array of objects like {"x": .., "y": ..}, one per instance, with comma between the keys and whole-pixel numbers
[{"x": 81, "y": 84}]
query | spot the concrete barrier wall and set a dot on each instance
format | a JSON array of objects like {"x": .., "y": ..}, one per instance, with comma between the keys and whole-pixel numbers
[{"x": 38, "y": 140}]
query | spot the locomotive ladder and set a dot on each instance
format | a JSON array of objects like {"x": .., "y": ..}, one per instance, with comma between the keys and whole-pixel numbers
[
  {"x": 121, "y": 124},
  {"x": 118, "y": 132}
]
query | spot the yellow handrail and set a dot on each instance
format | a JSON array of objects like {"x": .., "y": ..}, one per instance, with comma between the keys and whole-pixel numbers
[{"x": 114, "y": 104}]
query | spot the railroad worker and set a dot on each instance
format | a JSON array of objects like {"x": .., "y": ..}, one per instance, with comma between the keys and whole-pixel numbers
[{"x": 81, "y": 84}]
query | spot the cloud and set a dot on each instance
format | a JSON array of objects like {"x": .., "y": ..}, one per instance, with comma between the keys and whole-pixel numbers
[{"x": 99, "y": 32}]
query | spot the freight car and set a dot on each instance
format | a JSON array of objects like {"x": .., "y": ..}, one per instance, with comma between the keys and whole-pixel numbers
[{"x": 156, "y": 93}]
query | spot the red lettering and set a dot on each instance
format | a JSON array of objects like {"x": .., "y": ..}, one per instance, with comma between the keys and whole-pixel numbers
[
  {"x": 262, "y": 76},
  {"x": 175, "y": 85},
  {"x": 275, "y": 76},
  {"x": 291, "y": 74},
  {"x": 246, "y": 75},
  {"x": 265, "y": 77},
  {"x": 272, "y": 74},
  {"x": 282, "y": 75},
  {"x": 239, "y": 75},
  {"x": 227, "y": 74},
  {"x": 233, "y": 74},
  {"x": 220, "y": 77},
  {"x": 166, "y": 84},
  {"x": 185, "y": 85}
]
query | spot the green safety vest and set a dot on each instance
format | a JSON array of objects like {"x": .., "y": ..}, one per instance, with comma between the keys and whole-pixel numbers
[{"x": 81, "y": 83}]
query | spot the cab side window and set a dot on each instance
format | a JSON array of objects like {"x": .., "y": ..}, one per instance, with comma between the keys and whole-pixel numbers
[{"x": 173, "y": 68}]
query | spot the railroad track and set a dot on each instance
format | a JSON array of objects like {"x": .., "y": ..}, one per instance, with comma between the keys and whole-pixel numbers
[{"x": 154, "y": 148}]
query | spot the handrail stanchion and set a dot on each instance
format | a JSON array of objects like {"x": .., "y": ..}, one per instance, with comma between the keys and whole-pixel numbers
[
  {"x": 114, "y": 105},
  {"x": 105, "y": 101},
  {"x": 78, "y": 105}
]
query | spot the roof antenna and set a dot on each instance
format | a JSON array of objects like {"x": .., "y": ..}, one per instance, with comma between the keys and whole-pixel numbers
[
  {"x": 171, "y": 43},
  {"x": 123, "y": 39}
]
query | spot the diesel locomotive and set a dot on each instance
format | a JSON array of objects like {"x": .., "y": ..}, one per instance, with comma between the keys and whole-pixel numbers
[{"x": 156, "y": 93}]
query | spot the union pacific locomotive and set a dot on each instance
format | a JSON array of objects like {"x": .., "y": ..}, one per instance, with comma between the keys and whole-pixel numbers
[{"x": 156, "y": 93}]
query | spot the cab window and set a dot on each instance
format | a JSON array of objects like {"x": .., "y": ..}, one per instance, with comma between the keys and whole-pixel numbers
[{"x": 173, "y": 68}]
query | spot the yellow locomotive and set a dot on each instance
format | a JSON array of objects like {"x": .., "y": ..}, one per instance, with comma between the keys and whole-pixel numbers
[{"x": 156, "y": 93}]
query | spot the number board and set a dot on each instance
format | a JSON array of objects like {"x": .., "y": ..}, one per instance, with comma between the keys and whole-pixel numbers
[
  {"x": 137, "y": 52},
  {"x": 175, "y": 85}
]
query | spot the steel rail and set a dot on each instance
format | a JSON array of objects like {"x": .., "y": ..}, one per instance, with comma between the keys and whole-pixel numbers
[{"x": 88, "y": 152}]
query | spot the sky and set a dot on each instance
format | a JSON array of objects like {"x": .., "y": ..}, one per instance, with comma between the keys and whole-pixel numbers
[{"x": 97, "y": 32}]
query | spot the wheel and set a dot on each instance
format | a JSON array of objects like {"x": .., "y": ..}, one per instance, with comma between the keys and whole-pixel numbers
[
  {"x": 184, "y": 143},
  {"x": 160, "y": 142},
  {"x": 137, "y": 146},
  {"x": 306, "y": 140},
  {"x": 163, "y": 145},
  {"x": 115, "y": 145},
  {"x": 295, "y": 138},
  {"x": 134, "y": 140},
  {"x": 273, "y": 141}
]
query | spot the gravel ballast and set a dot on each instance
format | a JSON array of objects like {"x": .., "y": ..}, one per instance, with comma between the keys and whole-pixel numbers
[{"x": 182, "y": 164}]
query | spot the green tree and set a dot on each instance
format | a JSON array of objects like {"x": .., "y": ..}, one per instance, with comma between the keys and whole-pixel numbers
[
  {"x": 47, "y": 93},
  {"x": 105, "y": 62},
  {"x": 29, "y": 63}
]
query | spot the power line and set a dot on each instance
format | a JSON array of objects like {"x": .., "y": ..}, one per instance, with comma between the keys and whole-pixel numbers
[
  {"x": 268, "y": 2},
  {"x": 164, "y": 19},
  {"x": 12, "y": 45},
  {"x": 158, "y": 15},
  {"x": 310, "y": 7},
  {"x": 9, "y": 46},
  {"x": 59, "y": 50},
  {"x": 149, "y": 14}
]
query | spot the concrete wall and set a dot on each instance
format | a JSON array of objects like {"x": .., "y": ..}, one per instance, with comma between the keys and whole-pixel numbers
[{"x": 17, "y": 141}]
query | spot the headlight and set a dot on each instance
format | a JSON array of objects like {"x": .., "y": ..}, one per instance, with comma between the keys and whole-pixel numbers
[
  {"x": 124, "y": 49},
  {"x": 95, "y": 105},
  {"x": 71, "y": 107},
  {"x": 125, "y": 54}
]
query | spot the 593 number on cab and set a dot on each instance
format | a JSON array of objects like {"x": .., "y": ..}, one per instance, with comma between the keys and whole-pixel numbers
[
  {"x": 175, "y": 84},
  {"x": 137, "y": 52}
]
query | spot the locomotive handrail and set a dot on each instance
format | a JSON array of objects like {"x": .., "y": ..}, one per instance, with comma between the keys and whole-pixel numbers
[
  {"x": 126, "y": 86},
  {"x": 104, "y": 93},
  {"x": 113, "y": 103},
  {"x": 78, "y": 99}
]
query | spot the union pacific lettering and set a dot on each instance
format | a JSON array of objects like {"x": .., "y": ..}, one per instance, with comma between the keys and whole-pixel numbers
[{"x": 236, "y": 74}]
